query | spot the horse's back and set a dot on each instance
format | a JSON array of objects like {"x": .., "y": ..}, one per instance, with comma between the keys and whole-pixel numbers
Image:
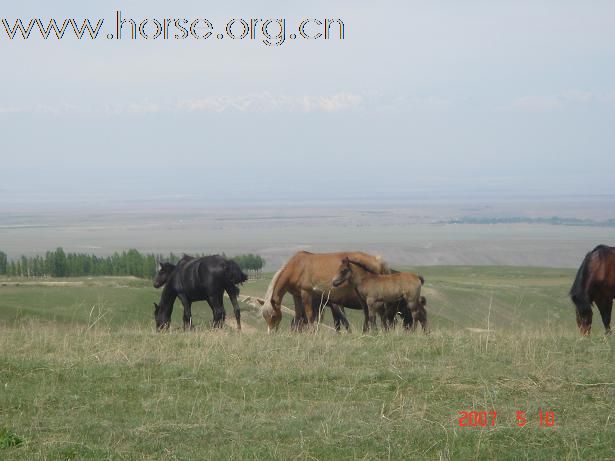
[
  {"x": 391, "y": 287},
  {"x": 595, "y": 277},
  {"x": 201, "y": 278},
  {"x": 330, "y": 262},
  {"x": 603, "y": 268}
]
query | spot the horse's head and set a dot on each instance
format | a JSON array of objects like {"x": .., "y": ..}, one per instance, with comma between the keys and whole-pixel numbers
[
  {"x": 164, "y": 272},
  {"x": 272, "y": 316},
  {"x": 162, "y": 318},
  {"x": 584, "y": 321},
  {"x": 343, "y": 274}
]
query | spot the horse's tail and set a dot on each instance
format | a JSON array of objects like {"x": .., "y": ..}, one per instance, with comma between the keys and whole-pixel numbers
[
  {"x": 233, "y": 273},
  {"x": 578, "y": 291}
]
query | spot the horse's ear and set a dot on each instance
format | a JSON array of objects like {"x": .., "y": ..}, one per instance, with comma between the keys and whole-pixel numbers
[{"x": 158, "y": 267}]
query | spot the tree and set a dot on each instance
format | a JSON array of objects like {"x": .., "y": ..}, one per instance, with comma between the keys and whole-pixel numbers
[
  {"x": 25, "y": 267},
  {"x": 59, "y": 263},
  {"x": 250, "y": 263},
  {"x": 3, "y": 263}
]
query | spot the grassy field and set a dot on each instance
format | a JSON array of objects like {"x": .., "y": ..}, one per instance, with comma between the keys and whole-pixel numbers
[{"x": 83, "y": 376}]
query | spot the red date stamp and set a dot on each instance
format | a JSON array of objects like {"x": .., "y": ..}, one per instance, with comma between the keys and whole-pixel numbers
[
  {"x": 489, "y": 418},
  {"x": 477, "y": 418}
]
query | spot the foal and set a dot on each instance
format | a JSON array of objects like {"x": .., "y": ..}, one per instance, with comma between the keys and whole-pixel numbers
[{"x": 379, "y": 290}]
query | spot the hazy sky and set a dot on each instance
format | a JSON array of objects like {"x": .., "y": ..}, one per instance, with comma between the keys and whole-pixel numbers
[{"x": 425, "y": 96}]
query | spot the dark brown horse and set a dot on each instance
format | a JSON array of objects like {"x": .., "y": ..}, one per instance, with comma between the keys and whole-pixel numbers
[
  {"x": 595, "y": 283},
  {"x": 319, "y": 302}
]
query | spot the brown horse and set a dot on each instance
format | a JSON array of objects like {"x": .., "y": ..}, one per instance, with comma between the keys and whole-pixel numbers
[
  {"x": 379, "y": 291},
  {"x": 309, "y": 274},
  {"x": 595, "y": 283}
]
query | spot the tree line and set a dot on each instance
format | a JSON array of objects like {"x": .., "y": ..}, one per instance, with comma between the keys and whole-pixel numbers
[
  {"x": 58, "y": 263},
  {"x": 251, "y": 264}
]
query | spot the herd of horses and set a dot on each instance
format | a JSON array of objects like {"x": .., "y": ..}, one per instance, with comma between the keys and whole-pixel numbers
[{"x": 346, "y": 280}]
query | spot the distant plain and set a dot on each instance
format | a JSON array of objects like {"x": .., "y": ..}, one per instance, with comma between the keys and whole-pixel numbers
[{"x": 405, "y": 233}]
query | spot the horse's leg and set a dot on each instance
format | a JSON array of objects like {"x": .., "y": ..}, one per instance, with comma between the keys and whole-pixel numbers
[
  {"x": 233, "y": 296},
  {"x": 299, "y": 320},
  {"x": 389, "y": 316},
  {"x": 365, "y": 316},
  {"x": 372, "y": 307},
  {"x": 383, "y": 321},
  {"x": 306, "y": 298},
  {"x": 419, "y": 315},
  {"x": 187, "y": 312},
  {"x": 605, "y": 306},
  {"x": 343, "y": 318},
  {"x": 382, "y": 313},
  {"x": 221, "y": 301},
  {"x": 406, "y": 315},
  {"x": 337, "y": 323},
  {"x": 365, "y": 319},
  {"x": 412, "y": 307},
  {"x": 423, "y": 319},
  {"x": 339, "y": 317},
  {"x": 217, "y": 305}
]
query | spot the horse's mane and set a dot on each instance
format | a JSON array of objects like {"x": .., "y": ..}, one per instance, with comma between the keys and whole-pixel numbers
[
  {"x": 269, "y": 294},
  {"x": 363, "y": 266},
  {"x": 185, "y": 258},
  {"x": 382, "y": 266}
]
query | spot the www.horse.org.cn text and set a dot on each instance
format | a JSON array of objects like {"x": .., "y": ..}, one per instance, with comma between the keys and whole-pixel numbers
[{"x": 268, "y": 31}]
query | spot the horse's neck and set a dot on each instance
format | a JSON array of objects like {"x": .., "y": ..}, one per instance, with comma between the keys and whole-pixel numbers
[
  {"x": 279, "y": 288},
  {"x": 358, "y": 278},
  {"x": 168, "y": 294}
]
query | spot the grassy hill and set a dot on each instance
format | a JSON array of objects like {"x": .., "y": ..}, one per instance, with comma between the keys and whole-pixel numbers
[
  {"x": 458, "y": 297},
  {"x": 83, "y": 376}
]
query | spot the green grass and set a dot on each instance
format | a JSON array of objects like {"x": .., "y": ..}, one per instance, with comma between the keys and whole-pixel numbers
[
  {"x": 8, "y": 439},
  {"x": 76, "y": 388}
]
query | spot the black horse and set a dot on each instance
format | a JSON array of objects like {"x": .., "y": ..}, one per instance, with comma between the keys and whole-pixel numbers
[{"x": 198, "y": 279}]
